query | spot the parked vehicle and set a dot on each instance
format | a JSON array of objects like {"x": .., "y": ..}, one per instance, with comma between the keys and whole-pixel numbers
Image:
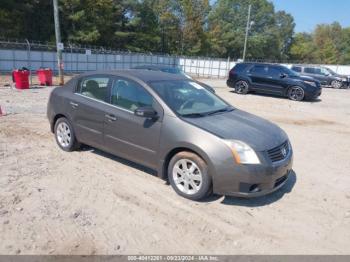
[
  {"x": 172, "y": 70},
  {"x": 174, "y": 125},
  {"x": 272, "y": 79},
  {"x": 326, "y": 76}
]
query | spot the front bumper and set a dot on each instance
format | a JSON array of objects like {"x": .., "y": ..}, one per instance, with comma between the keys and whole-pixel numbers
[
  {"x": 314, "y": 94},
  {"x": 230, "y": 83},
  {"x": 254, "y": 180}
]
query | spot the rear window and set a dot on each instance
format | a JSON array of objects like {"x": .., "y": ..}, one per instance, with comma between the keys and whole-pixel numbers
[
  {"x": 240, "y": 67},
  {"x": 259, "y": 70},
  {"x": 95, "y": 87},
  {"x": 296, "y": 69},
  {"x": 310, "y": 70}
]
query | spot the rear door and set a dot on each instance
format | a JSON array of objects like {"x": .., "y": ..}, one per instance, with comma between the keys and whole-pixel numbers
[
  {"x": 127, "y": 135},
  {"x": 259, "y": 77},
  {"x": 88, "y": 104}
]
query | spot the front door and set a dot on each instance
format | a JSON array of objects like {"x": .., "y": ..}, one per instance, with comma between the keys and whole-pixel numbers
[
  {"x": 277, "y": 79},
  {"x": 127, "y": 135},
  {"x": 316, "y": 73}
]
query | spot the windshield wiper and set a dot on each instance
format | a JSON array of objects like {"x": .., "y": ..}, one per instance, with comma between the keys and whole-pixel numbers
[
  {"x": 194, "y": 115},
  {"x": 226, "y": 109}
]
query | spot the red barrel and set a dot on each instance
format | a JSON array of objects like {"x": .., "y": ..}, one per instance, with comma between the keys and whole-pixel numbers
[
  {"x": 21, "y": 78},
  {"x": 45, "y": 76}
]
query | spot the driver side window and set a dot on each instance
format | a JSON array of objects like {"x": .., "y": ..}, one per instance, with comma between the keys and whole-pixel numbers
[{"x": 129, "y": 95}]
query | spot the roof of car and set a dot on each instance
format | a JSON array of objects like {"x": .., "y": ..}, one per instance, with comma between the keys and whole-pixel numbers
[
  {"x": 305, "y": 65},
  {"x": 160, "y": 66},
  {"x": 258, "y": 63},
  {"x": 143, "y": 75}
]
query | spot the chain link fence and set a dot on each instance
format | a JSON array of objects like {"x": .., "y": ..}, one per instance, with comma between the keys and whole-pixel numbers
[{"x": 78, "y": 59}]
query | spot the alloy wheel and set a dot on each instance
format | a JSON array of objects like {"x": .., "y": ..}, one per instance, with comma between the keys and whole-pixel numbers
[
  {"x": 296, "y": 93},
  {"x": 336, "y": 84},
  {"x": 63, "y": 134},
  {"x": 241, "y": 87},
  {"x": 187, "y": 176}
]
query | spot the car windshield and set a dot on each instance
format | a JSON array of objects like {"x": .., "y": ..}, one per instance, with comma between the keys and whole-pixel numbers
[
  {"x": 172, "y": 70},
  {"x": 330, "y": 71},
  {"x": 288, "y": 71},
  {"x": 189, "y": 99}
]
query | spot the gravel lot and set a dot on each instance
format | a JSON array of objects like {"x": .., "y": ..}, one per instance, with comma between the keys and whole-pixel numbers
[{"x": 89, "y": 202}]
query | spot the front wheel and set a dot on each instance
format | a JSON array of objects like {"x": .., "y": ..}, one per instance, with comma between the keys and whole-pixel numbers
[
  {"x": 336, "y": 84},
  {"x": 188, "y": 176},
  {"x": 296, "y": 93}
]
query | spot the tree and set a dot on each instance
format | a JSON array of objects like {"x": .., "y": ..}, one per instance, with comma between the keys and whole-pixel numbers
[
  {"x": 284, "y": 26},
  {"x": 328, "y": 44},
  {"x": 303, "y": 48},
  {"x": 31, "y": 19},
  {"x": 269, "y": 37},
  {"x": 194, "y": 19}
]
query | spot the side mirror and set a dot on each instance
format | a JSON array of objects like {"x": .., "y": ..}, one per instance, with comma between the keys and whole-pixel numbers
[
  {"x": 283, "y": 75},
  {"x": 147, "y": 112}
]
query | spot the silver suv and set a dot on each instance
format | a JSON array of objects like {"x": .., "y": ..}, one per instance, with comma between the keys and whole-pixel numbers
[{"x": 326, "y": 76}]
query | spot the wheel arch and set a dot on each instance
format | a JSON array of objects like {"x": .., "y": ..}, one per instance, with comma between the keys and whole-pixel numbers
[
  {"x": 163, "y": 170},
  {"x": 54, "y": 120},
  {"x": 244, "y": 78}
]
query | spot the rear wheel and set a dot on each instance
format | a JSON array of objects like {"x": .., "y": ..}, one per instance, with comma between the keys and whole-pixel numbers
[
  {"x": 296, "y": 93},
  {"x": 188, "y": 176},
  {"x": 241, "y": 87},
  {"x": 336, "y": 84},
  {"x": 65, "y": 136}
]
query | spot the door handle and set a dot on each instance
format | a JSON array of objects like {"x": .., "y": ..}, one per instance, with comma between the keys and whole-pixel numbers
[
  {"x": 74, "y": 105},
  {"x": 111, "y": 117}
]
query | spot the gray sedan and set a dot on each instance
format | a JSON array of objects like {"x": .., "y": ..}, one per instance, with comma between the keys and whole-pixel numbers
[{"x": 171, "y": 124}]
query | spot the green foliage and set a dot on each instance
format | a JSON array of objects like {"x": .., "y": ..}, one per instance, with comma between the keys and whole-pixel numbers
[
  {"x": 188, "y": 27},
  {"x": 328, "y": 44},
  {"x": 269, "y": 36}
]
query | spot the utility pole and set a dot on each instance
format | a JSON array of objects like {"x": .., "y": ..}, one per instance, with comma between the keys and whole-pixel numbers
[
  {"x": 247, "y": 32},
  {"x": 59, "y": 45}
]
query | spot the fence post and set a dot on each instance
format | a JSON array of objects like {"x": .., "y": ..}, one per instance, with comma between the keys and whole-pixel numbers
[
  {"x": 71, "y": 58},
  {"x": 227, "y": 66},
  {"x": 29, "y": 61}
]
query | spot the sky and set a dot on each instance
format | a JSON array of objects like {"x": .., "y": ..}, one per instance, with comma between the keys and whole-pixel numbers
[{"x": 308, "y": 13}]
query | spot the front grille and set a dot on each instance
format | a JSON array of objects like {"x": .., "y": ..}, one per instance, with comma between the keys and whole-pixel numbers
[{"x": 279, "y": 153}]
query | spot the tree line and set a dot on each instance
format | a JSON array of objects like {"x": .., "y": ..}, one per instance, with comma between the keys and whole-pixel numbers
[{"x": 180, "y": 27}]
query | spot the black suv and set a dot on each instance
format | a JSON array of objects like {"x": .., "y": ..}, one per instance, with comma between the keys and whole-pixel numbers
[
  {"x": 273, "y": 79},
  {"x": 326, "y": 76}
]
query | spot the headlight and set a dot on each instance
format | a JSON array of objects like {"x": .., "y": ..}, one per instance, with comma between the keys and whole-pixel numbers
[
  {"x": 242, "y": 153},
  {"x": 310, "y": 83}
]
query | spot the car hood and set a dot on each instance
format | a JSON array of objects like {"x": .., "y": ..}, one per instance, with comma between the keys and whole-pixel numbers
[
  {"x": 304, "y": 78},
  {"x": 258, "y": 133},
  {"x": 341, "y": 76}
]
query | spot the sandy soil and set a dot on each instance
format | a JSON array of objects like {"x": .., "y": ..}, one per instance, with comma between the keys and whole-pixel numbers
[{"x": 89, "y": 202}]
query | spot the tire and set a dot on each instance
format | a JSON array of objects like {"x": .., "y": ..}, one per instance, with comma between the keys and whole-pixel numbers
[
  {"x": 65, "y": 136},
  {"x": 194, "y": 185},
  {"x": 241, "y": 87},
  {"x": 336, "y": 84},
  {"x": 296, "y": 93}
]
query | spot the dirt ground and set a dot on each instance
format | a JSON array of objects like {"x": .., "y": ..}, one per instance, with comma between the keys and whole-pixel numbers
[{"x": 89, "y": 202}]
